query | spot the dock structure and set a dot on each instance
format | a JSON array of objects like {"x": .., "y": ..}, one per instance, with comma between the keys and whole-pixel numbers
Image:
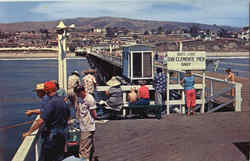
[
  {"x": 210, "y": 136},
  {"x": 110, "y": 66}
]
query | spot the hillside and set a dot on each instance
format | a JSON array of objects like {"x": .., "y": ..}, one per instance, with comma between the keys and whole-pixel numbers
[{"x": 104, "y": 22}]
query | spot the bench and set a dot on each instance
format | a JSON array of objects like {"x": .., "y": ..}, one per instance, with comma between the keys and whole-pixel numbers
[{"x": 154, "y": 109}]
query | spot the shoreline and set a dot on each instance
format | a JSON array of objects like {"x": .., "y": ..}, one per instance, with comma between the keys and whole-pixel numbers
[{"x": 31, "y": 55}]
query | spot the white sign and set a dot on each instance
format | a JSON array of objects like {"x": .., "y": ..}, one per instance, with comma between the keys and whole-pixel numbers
[{"x": 187, "y": 60}]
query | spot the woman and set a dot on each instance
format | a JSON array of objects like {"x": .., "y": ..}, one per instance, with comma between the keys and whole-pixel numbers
[{"x": 190, "y": 93}]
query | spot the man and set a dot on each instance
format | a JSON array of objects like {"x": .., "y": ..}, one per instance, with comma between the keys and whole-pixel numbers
[
  {"x": 143, "y": 93},
  {"x": 73, "y": 81},
  {"x": 159, "y": 85},
  {"x": 231, "y": 77},
  {"x": 87, "y": 111},
  {"x": 115, "y": 97},
  {"x": 132, "y": 96},
  {"x": 54, "y": 116},
  {"x": 44, "y": 99},
  {"x": 89, "y": 81}
]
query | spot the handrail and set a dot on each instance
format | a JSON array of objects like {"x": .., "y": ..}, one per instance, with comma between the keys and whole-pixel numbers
[
  {"x": 213, "y": 95},
  {"x": 25, "y": 147}
]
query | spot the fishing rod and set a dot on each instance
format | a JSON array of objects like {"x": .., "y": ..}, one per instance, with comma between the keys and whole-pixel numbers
[{"x": 16, "y": 125}]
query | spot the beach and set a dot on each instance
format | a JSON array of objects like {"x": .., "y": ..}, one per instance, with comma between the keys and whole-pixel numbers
[{"x": 32, "y": 55}]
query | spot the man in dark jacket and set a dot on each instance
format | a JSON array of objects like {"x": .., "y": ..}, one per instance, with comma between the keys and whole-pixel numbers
[{"x": 54, "y": 116}]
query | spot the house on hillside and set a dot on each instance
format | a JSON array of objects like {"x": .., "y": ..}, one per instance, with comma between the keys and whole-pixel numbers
[{"x": 244, "y": 34}]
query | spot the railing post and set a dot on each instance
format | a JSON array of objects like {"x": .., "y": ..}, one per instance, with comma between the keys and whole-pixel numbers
[
  {"x": 124, "y": 94},
  {"x": 167, "y": 102},
  {"x": 183, "y": 100},
  {"x": 238, "y": 98},
  {"x": 211, "y": 88},
  {"x": 202, "y": 110}
]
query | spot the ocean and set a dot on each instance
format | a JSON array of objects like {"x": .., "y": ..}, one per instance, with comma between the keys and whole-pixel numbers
[{"x": 18, "y": 79}]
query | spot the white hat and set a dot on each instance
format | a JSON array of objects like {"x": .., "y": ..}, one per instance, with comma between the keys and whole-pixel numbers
[
  {"x": 113, "y": 82},
  {"x": 39, "y": 86},
  {"x": 76, "y": 72}
]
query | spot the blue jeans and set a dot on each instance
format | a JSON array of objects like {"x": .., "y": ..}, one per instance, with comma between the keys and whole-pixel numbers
[
  {"x": 142, "y": 101},
  {"x": 53, "y": 146}
]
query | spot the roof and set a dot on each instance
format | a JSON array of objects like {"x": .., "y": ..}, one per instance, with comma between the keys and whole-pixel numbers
[{"x": 138, "y": 48}]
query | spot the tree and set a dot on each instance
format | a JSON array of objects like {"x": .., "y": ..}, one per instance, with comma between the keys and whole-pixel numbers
[
  {"x": 146, "y": 32},
  {"x": 194, "y": 30},
  {"x": 167, "y": 32},
  {"x": 160, "y": 30}
]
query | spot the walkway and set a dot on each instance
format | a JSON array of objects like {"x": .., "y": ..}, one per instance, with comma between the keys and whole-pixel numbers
[{"x": 207, "y": 137}]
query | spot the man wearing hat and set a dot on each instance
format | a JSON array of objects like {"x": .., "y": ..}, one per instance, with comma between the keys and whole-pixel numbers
[
  {"x": 114, "y": 94},
  {"x": 54, "y": 116},
  {"x": 73, "y": 81},
  {"x": 44, "y": 99}
]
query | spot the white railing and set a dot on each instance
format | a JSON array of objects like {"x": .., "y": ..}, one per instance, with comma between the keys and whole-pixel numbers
[{"x": 26, "y": 145}]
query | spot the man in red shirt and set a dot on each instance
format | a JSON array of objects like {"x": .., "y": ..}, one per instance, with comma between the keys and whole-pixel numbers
[{"x": 143, "y": 94}]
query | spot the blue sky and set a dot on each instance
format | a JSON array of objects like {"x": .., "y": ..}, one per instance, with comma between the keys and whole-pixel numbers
[{"x": 220, "y": 12}]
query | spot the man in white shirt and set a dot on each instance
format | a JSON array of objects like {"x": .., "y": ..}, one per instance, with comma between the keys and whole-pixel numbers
[{"x": 87, "y": 116}]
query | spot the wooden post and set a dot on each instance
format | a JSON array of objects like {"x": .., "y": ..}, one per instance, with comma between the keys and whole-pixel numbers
[
  {"x": 238, "y": 98},
  {"x": 124, "y": 94},
  {"x": 167, "y": 94},
  {"x": 202, "y": 110},
  {"x": 211, "y": 88},
  {"x": 183, "y": 110}
]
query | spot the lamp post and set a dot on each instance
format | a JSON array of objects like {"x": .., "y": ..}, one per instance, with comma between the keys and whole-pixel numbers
[{"x": 62, "y": 32}]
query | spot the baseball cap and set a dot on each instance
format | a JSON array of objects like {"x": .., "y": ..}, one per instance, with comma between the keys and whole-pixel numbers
[{"x": 50, "y": 87}]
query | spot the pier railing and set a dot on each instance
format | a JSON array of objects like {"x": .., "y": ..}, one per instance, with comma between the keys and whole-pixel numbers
[
  {"x": 210, "y": 93},
  {"x": 221, "y": 89},
  {"x": 26, "y": 146},
  {"x": 215, "y": 89}
]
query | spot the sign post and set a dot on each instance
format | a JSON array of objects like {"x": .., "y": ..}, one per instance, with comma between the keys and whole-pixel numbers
[{"x": 187, "y": 60}]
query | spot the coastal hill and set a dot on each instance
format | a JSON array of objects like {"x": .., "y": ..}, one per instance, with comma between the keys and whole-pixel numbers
[{"x": 104, "y": 22}]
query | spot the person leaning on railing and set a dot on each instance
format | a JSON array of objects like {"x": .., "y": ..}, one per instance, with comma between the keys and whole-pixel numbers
[
  {"x": 54, "y": 116},
  {"x": 230, "y": 77}
]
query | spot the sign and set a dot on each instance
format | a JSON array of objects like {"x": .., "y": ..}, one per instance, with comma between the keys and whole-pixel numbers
[{"x": 187, "y": 60}]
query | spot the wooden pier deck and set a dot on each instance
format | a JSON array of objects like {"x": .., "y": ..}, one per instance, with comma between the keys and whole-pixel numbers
[{"x": 221, "y": 136}]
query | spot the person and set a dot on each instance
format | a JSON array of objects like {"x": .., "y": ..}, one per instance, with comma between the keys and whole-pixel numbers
[
  {"x": 87, "y": 108},
  {"x": 54, "y": 116},
  {"x": 115, "y": 98},
  {"x": 89, "y": 81},
  {"x": 231, "y": 77},
  {"x": 59, "y": 91},
  {"x": 143, "y": 94},
  {"x": 44, "y": 99},
  {"x": 159, "y": 84},
  {"x": 73, "y": 81},
  {"x": 190, "y": 93},
  {"x": 132, "y": 96}
]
